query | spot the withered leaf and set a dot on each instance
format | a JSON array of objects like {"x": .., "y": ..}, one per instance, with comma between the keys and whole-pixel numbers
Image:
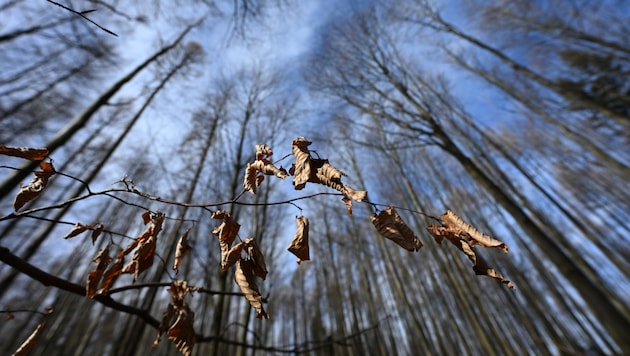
[
  {"x": 475, "y": 237},
  {"x": 35, "y": 187},
  {"x": 182, "y": 249},
  {"x": 142, "y": 258},
  {"x": 480, "y": 267},
  {"x": 102, "y": 259},
  {"x": 165, "y": 324},
  {"x": 464, "y": 237},
  {"x": 232, "y": 255},
  {"x": 244, "y": 278},
  {"x": 33, "y": 154},
  {"x": 178, "y": 291},
  {"x": 250, "y": 183},
  {"x": 266, "y": 167},
  {"x": 30, "y": 342},
  {"x": 110, "y": 276},
  {"x": 182, "y": 333},
  {"x": 301, "y": 169},
  {"x": 299, "y": 244},
  {"x": 390, "y": 225},
  {"x": 97, "y": 232},
  {"x": 348, "y": 203},
  {"x": 258, "y": 260},
  {"x": 77, "y": 229},
  {"x": 228, "y": 229},
  {"x": 263, "y": 151}
]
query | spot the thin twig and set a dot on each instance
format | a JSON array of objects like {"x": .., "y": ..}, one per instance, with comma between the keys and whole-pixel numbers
[{"x": 82, "y": 14}]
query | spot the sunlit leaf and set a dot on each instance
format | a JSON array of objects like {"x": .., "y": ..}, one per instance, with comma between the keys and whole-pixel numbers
[
  {"x": 102, "y": 260},
  {"x": 30, "y": 342},
  {"x": 35, "y": 187},
  {"x": 182, "y": 249},
  {"x": 390, "y": 225},
  {"x": 244, "y": 278},
  {"x": 299, "y": 244},
  {"x": 258, "y": 260},
  {"x": 33, "y": 154}
]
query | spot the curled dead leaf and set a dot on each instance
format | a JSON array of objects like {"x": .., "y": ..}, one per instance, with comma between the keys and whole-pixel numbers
[
  {"x": 182, "y": 332},
  {"x": 299, "y": 244},
  {"x": 301, "y": 169},
  {"x": 182, "y": 249},
  {"x": 102, "y": 259},
  {"x": 258, "y": 260},
  {"x": 30, "y": 342},
  {"x": 244, "y": 278},
  {"x": 464, "y": 237},
  {"x": 33, "y": 154},
  {"x": 146, "y": 244},
  {"x": 390, "y": 225},
  {"x": 232, "y": 256},
  {"x": 35, "y": 187},
  {"x": 228, "y": 229}
]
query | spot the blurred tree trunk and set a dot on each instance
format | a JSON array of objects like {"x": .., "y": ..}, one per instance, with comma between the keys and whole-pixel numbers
[{"x": 74, "y": 126}]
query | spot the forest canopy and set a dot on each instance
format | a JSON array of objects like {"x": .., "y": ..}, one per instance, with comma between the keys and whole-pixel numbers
[{"x": 245, "y": 177}]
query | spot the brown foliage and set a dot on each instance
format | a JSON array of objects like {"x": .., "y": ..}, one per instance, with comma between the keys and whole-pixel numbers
[
  {"x": 299, "y": 244},
  {"x": 244, "y": 278},
  {"x": 390, "y": 225},
  {"x": 464, "y": 237},
  {"x": 30, "y": 342},
  {"x": 181, "y": 332},
  {"x": 35, "y": 187},
  {"x": 33, "y": 154},
  {"x": 182, "y": 249},
  {"x": 146, "y": 243}
]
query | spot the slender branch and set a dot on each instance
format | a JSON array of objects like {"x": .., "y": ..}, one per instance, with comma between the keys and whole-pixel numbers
[{"x": 82, "y": 14}]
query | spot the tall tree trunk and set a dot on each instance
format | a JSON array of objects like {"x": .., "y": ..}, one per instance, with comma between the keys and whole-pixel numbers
[{"x": 74, "y": 126}]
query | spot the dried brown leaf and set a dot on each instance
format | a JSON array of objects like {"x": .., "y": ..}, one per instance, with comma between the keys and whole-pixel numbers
[
  {"x": 232, "y": 255},
  {"x": 178, "y": 291},
  {"x": 390, "y": 225},
  {"x": 348, "y": 203},
  {"x": 299, "y": 244},
  {"x": 110, "y": 276},
  {"x": 182, "y": 332},
  {"x": 260, "y": 268},
  {"x": 301, "y": 169},
  {"x": 33, "y": 154},
  {"x": 480, "y": 267},
  {"x": 165, "y": 324},
  {"x": 475, "y": 237},
  {"x": 35, "y": 187},
  {"x": 97, "y": 232},
  {"x": 142, "y": 257},
  {"x": 182, "y": 249},
  {"x": 244, "y": 278},
  {"x": 263, "y": 151},
  {"x": 266, "y": 167},
  {"x": 330, "y": 176},
  {"x": 228, "y": 229},
  {"x": 250, "y": 181},
  {"x": 77, "y": 229},
  {"x": 30, "y": 342},
  {"x": 102, "y": 259}
]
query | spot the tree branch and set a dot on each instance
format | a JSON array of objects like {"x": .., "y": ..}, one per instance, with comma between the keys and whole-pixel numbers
[{"x": 82, "y": 14}]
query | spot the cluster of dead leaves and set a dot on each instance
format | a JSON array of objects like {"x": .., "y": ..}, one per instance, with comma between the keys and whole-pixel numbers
[
  {"x": 40, "y": 181},
  {"x": 177, "y": 320},
  {"x": 246, "y": 268},
  {"x": 143, "y": 248},
  {"x": 464, "y": 237},
  {"x": 79, "y": 228},
  {"x": 256, "y": 171}
]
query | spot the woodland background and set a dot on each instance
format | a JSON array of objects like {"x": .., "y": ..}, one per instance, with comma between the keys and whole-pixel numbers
[{"x": 514, "y": 114}]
